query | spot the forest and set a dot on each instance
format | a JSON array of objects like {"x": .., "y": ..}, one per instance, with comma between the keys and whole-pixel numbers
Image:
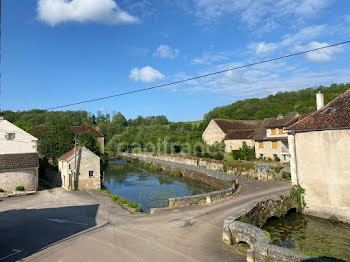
[{"x": 142, "y": 133}]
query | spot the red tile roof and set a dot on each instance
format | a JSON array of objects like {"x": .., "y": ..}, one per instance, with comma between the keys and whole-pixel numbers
[
  {"x": 19, "y": 161},
  {"x": 69, "y": 154},
  {"x": 85, "y": 127},
  {"x": 336, "y": 114},
  {"x": 227, "y": 125},
  {"x": 240, "y": 134}
]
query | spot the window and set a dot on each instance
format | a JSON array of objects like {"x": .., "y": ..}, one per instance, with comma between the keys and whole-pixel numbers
[
  {"x": 10, "y": 136},
  {"x": 261, "y": 144},
  {"x": 274, "y": 144},
  {"x": 273, "y": 131},
  {"x": 280, "y": 131},
  {"x": 91, "y": 173}
]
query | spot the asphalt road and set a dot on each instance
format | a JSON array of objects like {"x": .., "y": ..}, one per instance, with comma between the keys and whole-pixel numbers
[{"x": 85, "y": 226}]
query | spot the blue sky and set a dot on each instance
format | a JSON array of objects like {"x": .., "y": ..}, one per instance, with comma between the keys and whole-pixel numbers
[{"x": 57, "y": 52}]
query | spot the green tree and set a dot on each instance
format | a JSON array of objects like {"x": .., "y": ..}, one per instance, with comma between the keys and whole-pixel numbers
[{"x": 90, "y": 142}]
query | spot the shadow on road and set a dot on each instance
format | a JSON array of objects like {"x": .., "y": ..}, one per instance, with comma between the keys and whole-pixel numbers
[{"x": 27, "y": 231}]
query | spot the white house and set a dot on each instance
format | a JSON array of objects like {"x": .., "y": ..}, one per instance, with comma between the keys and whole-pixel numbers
[
  {"x": 320, "y": 160},
  {"x": 87, "y": 166},
  {"x": 19, "y": 162}
]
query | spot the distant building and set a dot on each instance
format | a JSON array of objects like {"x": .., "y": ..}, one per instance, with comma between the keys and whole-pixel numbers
[
  {"x": 78, "y": 130},
  {"x": 271, "y": 141},
  {"x": 87, "y": 166},
  {"x": 19, "y": 162},
  {"x": 232, "y": 132},
  {"x": 320, "y": 160}
]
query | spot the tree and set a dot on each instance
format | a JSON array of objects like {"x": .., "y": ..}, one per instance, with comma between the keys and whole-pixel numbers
[{"x": 90, "y": 142}]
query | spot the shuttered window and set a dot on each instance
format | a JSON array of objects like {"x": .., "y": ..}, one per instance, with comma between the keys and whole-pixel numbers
[
  {"x": 274, "y": 144},
  {"x": 280, "y": 131},
  {"x": 261, "y": 144},
  {"x": 273, "y": 131}
]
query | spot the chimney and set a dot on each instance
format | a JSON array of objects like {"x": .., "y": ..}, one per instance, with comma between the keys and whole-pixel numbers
[
  {"x": 319, "y": 100},
  {"x": 280, "y": 116}
]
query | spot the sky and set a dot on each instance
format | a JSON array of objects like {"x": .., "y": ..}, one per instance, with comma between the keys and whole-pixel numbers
[{"x": 56, "y": 52}]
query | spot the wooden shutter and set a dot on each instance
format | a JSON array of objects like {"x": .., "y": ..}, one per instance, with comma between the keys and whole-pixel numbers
[{"x": 274, "y": 144}]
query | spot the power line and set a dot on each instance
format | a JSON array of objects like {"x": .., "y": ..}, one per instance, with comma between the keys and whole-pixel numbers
[{"x": 198, "y": 77}]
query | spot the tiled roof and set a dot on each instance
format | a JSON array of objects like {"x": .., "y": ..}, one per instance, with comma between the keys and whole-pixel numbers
[
  {"x": 276, "y": 122},
  {"x": 240, "y": 134},
  {"x": 227, "y": 125},
  {"x": 19, "y": 161},
  {"x": 336, "y": 114},
  {"x": 69, "y": 154},
  {"x": 85, "y": 127},
  {"x": 40, "y": 129}
]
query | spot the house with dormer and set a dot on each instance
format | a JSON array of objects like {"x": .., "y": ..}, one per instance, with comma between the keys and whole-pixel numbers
[{"x": 271, "y": 139}]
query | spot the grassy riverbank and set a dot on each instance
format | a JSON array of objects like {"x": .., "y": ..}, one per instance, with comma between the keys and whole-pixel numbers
[{"x": 126, "y": 204}]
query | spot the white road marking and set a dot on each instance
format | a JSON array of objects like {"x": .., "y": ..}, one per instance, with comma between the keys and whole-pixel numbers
[
  {"x": 15, "y": 252},
  {"x": 60, "y": 221}
]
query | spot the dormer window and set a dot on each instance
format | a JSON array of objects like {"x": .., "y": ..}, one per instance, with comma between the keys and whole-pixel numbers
[{"x": 10, "y": 136}]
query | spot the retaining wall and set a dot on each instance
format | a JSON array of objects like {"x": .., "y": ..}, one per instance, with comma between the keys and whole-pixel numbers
[
  {"x": 256, "y": 214},
  {"x": 248, "y": 169}
]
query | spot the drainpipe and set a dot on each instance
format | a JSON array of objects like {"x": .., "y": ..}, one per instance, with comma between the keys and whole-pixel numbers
[{"x": 295, "y": 157}]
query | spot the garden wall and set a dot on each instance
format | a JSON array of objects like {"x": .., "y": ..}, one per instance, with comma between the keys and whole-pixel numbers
[{"x": 254, "y": 170}]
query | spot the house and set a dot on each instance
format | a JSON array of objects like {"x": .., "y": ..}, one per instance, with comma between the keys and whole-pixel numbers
[
  {"x": 320, "y": 160},
  {"x": 271, "y": 141},
  {"x": 232, "y": 132},
  {"x": 78, "y": 130},
  {"x": 87, "y": 166},
  {"x": 19, "y": 162}
]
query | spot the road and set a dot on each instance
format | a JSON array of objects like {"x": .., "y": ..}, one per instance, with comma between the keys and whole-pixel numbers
[{"x": 85, "y": 226}]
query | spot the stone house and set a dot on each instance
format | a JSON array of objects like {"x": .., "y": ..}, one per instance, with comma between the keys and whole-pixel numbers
[
  {"x": 19, "y": 161},
  {"x": 78, "y": 130},
  {"x": 271, "y": 140},
  {"x": 87, "y": 166},
  {"x": 320, "y": 161},
  {"x": 232, "y": 132}
]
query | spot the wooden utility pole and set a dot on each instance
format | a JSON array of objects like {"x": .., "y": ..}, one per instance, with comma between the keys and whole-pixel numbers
[{"x": 75, "y": 161}]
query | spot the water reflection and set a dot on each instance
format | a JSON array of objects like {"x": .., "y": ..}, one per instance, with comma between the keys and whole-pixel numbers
[
  {"x": 142, "y": 186},
  {"x": 311, "y": 234}
]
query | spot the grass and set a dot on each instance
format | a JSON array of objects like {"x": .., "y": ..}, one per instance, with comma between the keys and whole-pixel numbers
[
  {"x": 333, "y": 219},
  {"x": 122, "y": 201},
  {"x": 19, "y": 188},
  {"x": 242, "y": 247},
  {"x": 318, "y": 255},
  {"x": 1, "y": 190}
]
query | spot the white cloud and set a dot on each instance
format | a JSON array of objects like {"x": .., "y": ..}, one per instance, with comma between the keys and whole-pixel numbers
[
  {"x": 290, "y": 40},
  {"x": 323, "y": 55},
  {"x": 102, "y": 11},
  {"x": 258, "y": 13},
  {"x": 145, "y": 74},
  {"x": 211, "y": 57},
  {"x": 165, "y": 51}
]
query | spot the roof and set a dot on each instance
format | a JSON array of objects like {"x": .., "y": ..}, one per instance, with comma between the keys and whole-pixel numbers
[
  {"x": 227, "y": 125},
  {"x": 336, "y": 114},
  {"x": 40, "y": 129},
  {"x": 85, "y": 127},
  {"x": 69, "y": 154},
  {"x": 240, "y": 134},
  {"x": 275, "y": 122},
  {"x": 19, "y": 161}
]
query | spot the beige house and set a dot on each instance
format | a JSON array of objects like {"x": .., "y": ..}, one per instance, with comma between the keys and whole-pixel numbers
[
  {"x": 320, "y": 160},
  {"x": 19, "y": 162},
  {"x": 271, "y": 140},
  {"x": 232, "y": 132},
  {"x": 87, "y": 166}
]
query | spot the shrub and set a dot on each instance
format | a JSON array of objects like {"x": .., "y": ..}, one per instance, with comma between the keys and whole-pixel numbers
[
  {"x": 297, "y": 192},
  {"x": 277, "y": 159},
  {"x": 20, "y": 188},
  {"x": 1, "y": 190},
  {"x": 286, "y": 175},
  {"x": 333, "y": 219},
  {"x": 277, "y": 169}
]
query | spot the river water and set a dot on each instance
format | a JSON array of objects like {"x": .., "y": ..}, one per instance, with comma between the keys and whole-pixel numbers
[
  {"x": 150, "y": 189},
  {"x": 311, "y": 234}
]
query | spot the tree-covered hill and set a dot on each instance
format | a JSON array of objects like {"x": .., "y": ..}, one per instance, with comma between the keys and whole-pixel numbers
[{"x": 302, "y": 101}]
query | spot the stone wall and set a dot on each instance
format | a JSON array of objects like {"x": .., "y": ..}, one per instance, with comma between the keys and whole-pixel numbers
[
  {"x": 236, "y": 144},
  {"x": 254, "y": 170},
  {"x": 213, "y": 133},
  {"x": 322, "y": 167},
  {"x": 10, "y": 179},
  {"x": 256, "y": 213}
]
